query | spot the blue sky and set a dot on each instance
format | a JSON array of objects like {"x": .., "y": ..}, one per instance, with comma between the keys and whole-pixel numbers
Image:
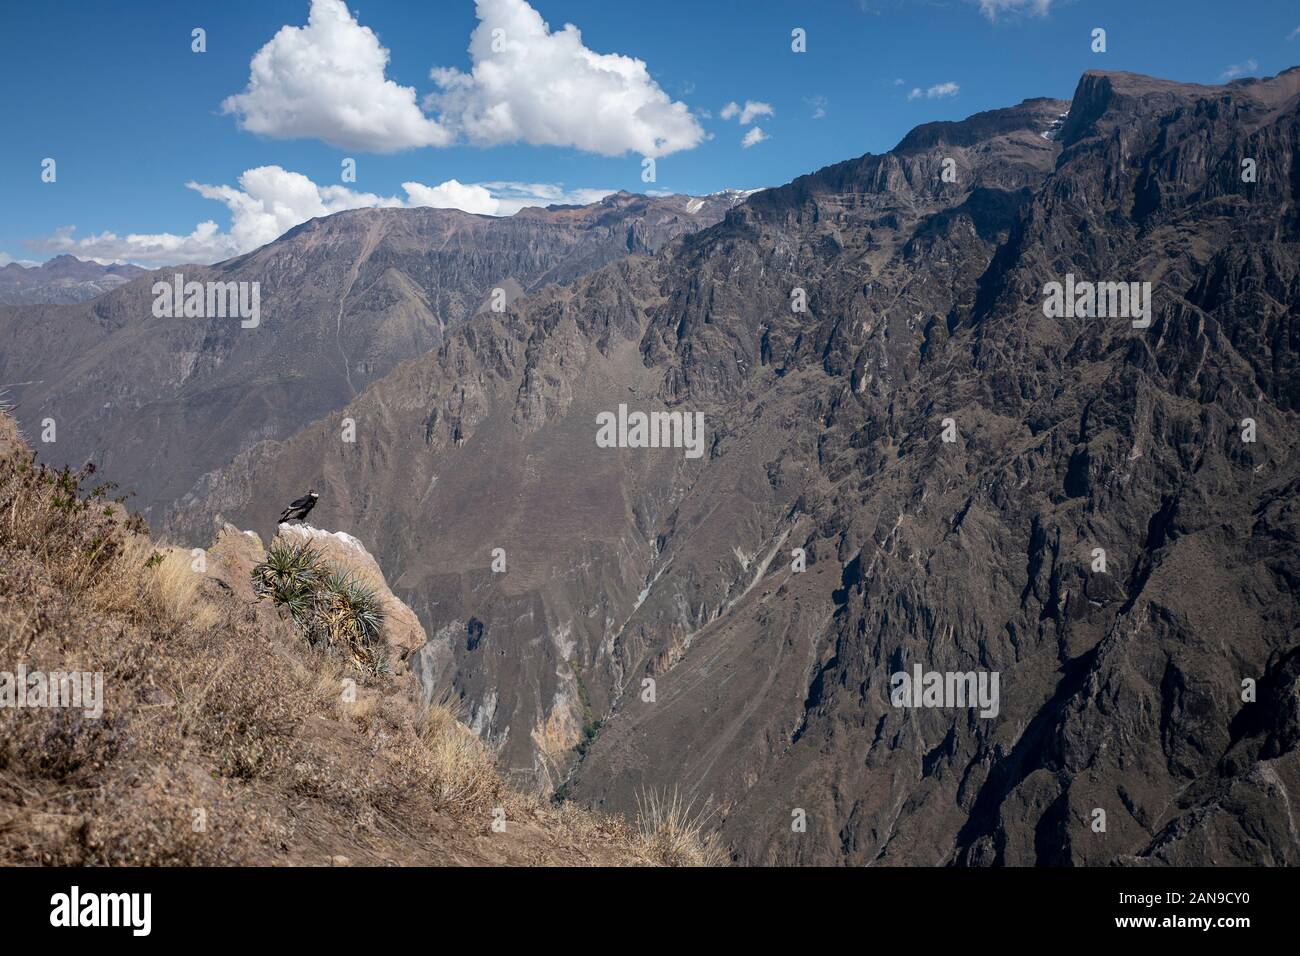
[{"x": 114, "y": 94}]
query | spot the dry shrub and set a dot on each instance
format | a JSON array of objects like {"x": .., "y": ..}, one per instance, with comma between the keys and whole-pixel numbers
[
  {"x": 72, "y": 532},
  {"x": 459, "y": 767},
  {"x": 83, "y": 589},
  {"x": 247, "y": 720},
  {"x": 672, "y": 834},
  {"x": 172, "y": 589}
]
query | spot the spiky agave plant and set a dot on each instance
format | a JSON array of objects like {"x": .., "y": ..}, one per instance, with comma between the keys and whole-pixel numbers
[
  {"x": 290, "y": 576},
  {"x": 350, "y": 612}
]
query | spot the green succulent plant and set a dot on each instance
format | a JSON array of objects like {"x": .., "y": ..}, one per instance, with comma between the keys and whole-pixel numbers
[{"x": 331, "y": 608}]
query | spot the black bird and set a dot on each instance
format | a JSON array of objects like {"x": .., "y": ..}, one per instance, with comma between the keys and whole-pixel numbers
[{"x": 299, "y": 509}]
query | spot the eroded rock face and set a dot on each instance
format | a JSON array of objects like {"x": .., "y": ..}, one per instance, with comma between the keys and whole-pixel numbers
[{"x": 1121, "y": 685}]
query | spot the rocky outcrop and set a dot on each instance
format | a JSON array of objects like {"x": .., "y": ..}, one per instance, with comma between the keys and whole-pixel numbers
[{"x": 234, "y": 553}]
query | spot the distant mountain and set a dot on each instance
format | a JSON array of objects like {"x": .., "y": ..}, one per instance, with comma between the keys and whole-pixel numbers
[
  {"x": 1101, "y": 514},
  {"x": 157, "y": 402},
  {"x": 61, "y": 279}
]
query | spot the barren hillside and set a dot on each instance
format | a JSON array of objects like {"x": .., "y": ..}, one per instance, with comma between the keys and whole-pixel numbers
[{"x": 218, "y": 735}]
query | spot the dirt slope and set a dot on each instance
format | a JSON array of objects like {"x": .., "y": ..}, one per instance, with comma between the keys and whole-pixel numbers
[{"x": 219, "y": 736}]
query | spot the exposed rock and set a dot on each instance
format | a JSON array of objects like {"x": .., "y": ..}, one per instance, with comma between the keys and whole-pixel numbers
[{"x": 231, "y": 559}]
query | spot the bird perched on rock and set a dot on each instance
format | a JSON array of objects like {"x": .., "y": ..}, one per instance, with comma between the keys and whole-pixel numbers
[{"x": 300, "y": 508}]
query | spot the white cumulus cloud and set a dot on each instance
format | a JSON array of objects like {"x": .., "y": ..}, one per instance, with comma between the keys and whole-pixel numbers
[
  {"x": 326, "y": 81},
  {"x": 515, "y": 196},
  {"x": 270, "y": 200},
  {"x": 453, "y": 195},
  {"x": 530, "y": 84},
  {"x": 754, "y": 137},
  {"x": 526, "y": 83}
]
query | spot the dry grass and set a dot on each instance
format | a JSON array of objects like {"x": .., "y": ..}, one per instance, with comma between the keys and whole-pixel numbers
[
  {"x": 80, "y": 593},
  {"x": 225, "y": 738},
  {"x": 456, "y": 764},
  {"x": 171, "y": 587},
  {"x": 673, "y": 834}
]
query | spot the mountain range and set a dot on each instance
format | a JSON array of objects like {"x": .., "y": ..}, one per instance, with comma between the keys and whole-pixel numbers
[
  {"x": 158, "y": 403},
  {"x": 63, "y": 279},
  {"x": 907, "y": 464}
]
